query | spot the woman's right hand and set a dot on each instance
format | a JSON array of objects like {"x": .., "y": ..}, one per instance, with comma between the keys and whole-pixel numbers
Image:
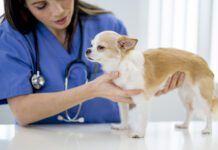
[{"x": 104, "y": 87}]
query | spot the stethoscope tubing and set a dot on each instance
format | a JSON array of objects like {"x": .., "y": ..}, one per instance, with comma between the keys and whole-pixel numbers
[{"x": 67, "y": 73}]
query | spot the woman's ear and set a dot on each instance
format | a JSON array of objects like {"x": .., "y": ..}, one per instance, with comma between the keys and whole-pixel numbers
[{"x": 126, "y": 43}]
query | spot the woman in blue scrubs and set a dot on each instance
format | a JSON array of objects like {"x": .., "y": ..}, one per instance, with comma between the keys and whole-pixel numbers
[{"x": 59, "y": 42}]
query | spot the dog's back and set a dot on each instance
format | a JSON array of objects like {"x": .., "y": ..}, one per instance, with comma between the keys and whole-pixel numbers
[{"x": 164, "y": 62}]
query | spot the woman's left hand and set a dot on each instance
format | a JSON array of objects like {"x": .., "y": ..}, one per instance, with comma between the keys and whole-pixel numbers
[{"x": 173, "y": 82}]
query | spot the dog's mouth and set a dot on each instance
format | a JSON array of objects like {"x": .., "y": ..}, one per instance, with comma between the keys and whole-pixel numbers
[
  {"x": 90, "y": 58},
  {"x": 94, "y": 60}
]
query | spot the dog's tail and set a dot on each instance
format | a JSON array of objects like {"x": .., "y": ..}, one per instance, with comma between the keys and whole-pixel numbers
[{"x": 215, "y": 104}]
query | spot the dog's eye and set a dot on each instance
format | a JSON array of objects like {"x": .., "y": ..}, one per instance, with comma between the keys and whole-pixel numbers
[{"x": 100, "y": 47}]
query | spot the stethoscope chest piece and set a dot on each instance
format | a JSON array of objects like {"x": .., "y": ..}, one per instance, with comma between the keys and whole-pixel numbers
[{"x": 37, "y": 81}]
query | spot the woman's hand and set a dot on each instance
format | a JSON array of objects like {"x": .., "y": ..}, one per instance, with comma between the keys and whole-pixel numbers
[
  {"x": 173, "y": 82},
  {"x": 104, "y": 87}
]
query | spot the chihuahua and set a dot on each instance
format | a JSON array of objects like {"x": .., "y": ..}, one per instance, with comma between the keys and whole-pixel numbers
[{"x": 149, "y": 70}]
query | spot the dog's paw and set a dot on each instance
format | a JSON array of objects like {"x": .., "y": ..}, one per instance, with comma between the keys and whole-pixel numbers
[
  {"x": 119, "y": 127},
  {"x": 206, "y": 131},
  {"x": 181, "y": 126},
  {"x": 136, "y": 134}
]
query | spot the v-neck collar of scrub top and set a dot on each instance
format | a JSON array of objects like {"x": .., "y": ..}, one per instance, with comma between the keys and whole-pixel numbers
[
  {"x": 58, "y": 48},
  {"x": 55, "y": 59}
]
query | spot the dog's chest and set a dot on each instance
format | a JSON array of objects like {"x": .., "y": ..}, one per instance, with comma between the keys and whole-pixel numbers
[{"x": 131, "y": 76}]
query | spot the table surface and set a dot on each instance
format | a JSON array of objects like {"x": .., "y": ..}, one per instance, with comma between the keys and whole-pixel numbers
[{"x": 159, "y": 136}]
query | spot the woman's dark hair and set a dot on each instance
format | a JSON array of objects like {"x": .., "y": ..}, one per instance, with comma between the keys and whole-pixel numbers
[{"x": 21, "y": 19}]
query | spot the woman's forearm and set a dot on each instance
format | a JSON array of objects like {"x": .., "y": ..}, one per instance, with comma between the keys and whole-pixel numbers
[{"x": 34, "y": 107}]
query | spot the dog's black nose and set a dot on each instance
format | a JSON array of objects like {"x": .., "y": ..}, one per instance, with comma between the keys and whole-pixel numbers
[{"x": 88, "y": 51}]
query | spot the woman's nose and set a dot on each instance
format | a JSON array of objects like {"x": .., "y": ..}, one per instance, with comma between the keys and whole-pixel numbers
[{"x": 58, "y": 10}]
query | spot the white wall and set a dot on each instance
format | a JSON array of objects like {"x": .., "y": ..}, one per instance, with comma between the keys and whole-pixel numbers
[
  {"x": 1, "y": 7},
  {"x": 214, "y": 36},
  {"x": 132, "y": 13}
]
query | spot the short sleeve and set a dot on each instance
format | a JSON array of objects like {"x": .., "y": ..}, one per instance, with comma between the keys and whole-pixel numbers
[{"x": 15, "y": 66}]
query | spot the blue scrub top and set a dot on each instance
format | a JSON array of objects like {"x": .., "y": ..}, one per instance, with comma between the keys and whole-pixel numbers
[{"x": 17, "y": 64}]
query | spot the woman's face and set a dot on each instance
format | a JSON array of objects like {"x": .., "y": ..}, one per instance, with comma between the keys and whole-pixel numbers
[{"x": 55, "y": 14}]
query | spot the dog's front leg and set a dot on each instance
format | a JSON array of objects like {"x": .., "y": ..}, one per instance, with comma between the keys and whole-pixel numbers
[
  {"x": 139, "y": 116},
  {"x": 124, "y": 113}
]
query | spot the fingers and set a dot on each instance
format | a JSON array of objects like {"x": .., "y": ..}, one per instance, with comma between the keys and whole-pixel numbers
[
  {"x": 133, "y": 92},
  {"x": 173, "y": 82},
  {"x": 166, "y": 86},
  {"x": 181, "y": 79},
  {"x": 128, "y": 93},
  {"x": 125, "y": 95},
  {"x": 122, "y": 99},
  {"x": 110, "y": 76}
]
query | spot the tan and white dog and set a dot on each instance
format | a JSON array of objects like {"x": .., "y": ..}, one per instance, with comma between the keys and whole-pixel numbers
[{"x": 149, "y": 70}]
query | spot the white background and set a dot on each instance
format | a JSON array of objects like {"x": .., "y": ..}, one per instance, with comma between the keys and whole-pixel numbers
[
  {"x": 191, "y": 25},
  {"x": 1, "y": 7}
]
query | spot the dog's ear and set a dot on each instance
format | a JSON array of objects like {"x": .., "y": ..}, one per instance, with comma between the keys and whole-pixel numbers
[{"x": 126, "y": 43}]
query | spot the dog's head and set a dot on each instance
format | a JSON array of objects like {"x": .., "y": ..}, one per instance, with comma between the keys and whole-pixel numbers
[{"x": 110, "y": 46}]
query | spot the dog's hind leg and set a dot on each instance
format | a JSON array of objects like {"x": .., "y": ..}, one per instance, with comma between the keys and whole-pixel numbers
[
  {"x": 186, "y": 98},
  {"x": 189, "y": 114},
  {"x": 208, "y": 127},
  {"x": 205, "y": 95}
]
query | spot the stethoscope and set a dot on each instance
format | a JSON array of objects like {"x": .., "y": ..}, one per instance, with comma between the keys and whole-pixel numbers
[{"x": 38, "y": 81}]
